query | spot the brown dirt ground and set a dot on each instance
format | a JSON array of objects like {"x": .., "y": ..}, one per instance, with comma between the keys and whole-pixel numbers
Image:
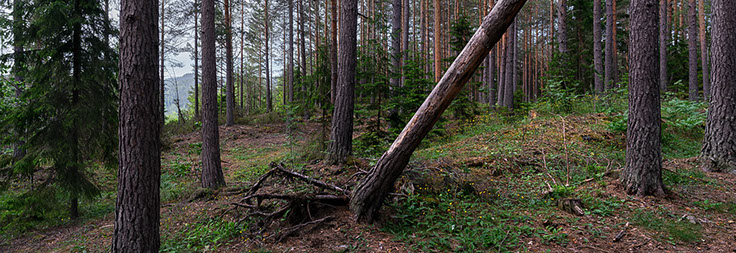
[{"x": 344, "y": 234}]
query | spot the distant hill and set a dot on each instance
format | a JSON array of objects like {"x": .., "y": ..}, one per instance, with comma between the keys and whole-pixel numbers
[{"x": 184, "y": 86}]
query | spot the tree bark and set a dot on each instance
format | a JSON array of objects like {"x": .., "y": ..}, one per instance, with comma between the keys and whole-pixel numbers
[
  {"x": 137, "y": 205},
  {"x": 704, "y": 50},
  {"x": 562, "y": 26},
  {"x": 333, "y": 53},
  {"x": 290, "y": 54},
  {"x": 692, "y": 48},
  {"x": 508, "y": 90},
  {"x": 368, "y": 196},
  {"x": 230, "y": 86},
  {"x": 196, "y": 60},
  {"x": 597, "y": 57},
  {"x": 341, "y": 145},
  {"x": 212, "y": 176},
  {"x": 663, "y": 35},
  {"x": 266, "y": 21},
  {"x": 719, "y": 145},
  {"x": 609, "y": 79},
  {"x": 162, "y": 83},
  {"x": 396, "y": 44},
  {"x": 643, "y": 172},
  {"x": 436, "y": 31}
]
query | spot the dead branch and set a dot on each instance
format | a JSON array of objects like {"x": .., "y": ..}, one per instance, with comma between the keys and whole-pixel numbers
[
  {"x": 621, "y": 233},
  {"x": 307, "y": 179},
  {"x": 293, "y": 229}
]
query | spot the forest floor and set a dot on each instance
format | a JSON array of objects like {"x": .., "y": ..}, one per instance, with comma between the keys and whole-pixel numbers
[{"x": 490, "y": 184}]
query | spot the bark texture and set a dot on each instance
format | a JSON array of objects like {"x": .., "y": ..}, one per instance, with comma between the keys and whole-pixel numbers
[
  {"x": 341, "y": 146},
  {"x": 562, "y": 26},
  {"x": 368, "y": 196},
  {"x": 643, "y": 172},
  {"x": 719, "y": 145},
  {"x": 436, "y": 31},
  {"x": 663, "y": 34},
  {"x": 137, "y": 205},
  {"x": 212, "y": 176},
  {"x": 230, "y": 86},
  {"x": 597, "y": 57},
  {"x": 692, "y": 49},
  {"x": 508, "y": 91},
  {"x": 704, "y": 50},
  {"x": 609, "y": 63}
]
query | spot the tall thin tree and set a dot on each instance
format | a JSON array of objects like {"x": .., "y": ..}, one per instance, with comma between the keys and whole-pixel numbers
[
  {"x": 643, "y": 172},
  {"x": 230, "y": 86},
  {"x": 137, "y": 205},
  {"x": 692, "y": 49},
  {"x": 341, "y": 145},
  {"x": 719, "y": 145},
  {"x": 212, "y": 176},
  {"x": 597, "y": 57}
]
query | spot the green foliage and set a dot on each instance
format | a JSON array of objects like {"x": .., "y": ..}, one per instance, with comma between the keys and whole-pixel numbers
[
  {"x": 674, "y": 230},
  {"x": 202, "y": 236}
]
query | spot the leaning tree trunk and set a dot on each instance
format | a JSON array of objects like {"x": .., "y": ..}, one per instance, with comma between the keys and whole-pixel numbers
[
  {"x": 212, "y": 176},
  {"x": 342, "y": 121},
  {"x": 368, "y": 196},
  {"x": 643, "y": 172},
  {"x": 719, "y": 145},
  {"x": 692, "y": 48},
  {"x": 137, "y": 205}
]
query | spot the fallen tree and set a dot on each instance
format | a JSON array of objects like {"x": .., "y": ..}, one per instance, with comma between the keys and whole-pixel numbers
[{"x": 367, "y": 198}]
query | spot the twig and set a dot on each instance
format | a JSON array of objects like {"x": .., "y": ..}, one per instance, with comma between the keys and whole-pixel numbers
[
  {"x": 504, "y": 239},
  {"x": 309, "y": 179},
  {"x": 621, "y": 233}
]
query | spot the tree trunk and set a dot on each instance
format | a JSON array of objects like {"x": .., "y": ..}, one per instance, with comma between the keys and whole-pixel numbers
[
  {"x": 137, "y": 204},
  {"x": 162, "y": 83},
  {"x": 502, "y": 70},
  {"x": 692, "y": 49},
  {"x": 230, "y": 86},
  {"x": 212, "y": 176},
  {"x": 405, "y": 38},
  {"x": 704, "y": 50},
  {"x": 341, "y": 145},
  {"x": 333, "y": 53},
  {"x": 436, "y": 31},
  {"x": 396, "y": 43},
  {"x": 290, "y": 54},
  {"x": 242, "y": 56},
  {"x": 663, "y": 34},
  {"x": 719, "y": 145},
  {"x": 196, "y": 60},
  {"x": 562, "y": 27},
  {"x": 368, "y": 196},
  {"x": 508, "y": 90},
  {"x": 266, "y": 21},
  {"x": 609, "y": 79},
  {"x": 643, "y": 172},
  {"x": 597, "y": 57}
]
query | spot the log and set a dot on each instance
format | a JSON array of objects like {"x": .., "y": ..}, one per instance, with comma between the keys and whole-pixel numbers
[{"x": 367, "y": 199}]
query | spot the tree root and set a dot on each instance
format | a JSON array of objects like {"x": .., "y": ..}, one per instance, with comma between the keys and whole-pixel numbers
[{"x": 298, "y": 208}]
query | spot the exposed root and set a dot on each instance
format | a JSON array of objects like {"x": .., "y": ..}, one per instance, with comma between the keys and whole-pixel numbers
[{"x": 301, "y": 208}]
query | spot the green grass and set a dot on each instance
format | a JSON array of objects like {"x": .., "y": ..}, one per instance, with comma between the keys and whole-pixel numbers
[
  {"x": 205, "y": 234},
  {"x": 667, "y": 226}
]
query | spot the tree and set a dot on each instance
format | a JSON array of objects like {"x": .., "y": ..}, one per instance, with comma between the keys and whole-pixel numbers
[
  {"x": 341, "y": 145},
  {"x": 719, "y": 144},
  {"x": 609, "y": 62},
  {"x": 692, "y": 48},
  {"x": 436, "y": 32},
  {"x": 396, "y": 43},
  {"x": 508, "y": 90},
  {"x": 562, "y": 26},
  {"x": 597, "y": 57},
  {"x": 290, "y": 54},
  {"x": 137, "y": 205},
  {"x": 368, "y": 196},
  {"x": 333, "y": 53},
  {"x": 704, "y": 50},
  {"x": 212, "y": 176},
  {"x": 230, "y": 93},
  {"x": 663, "y": 35},
  {"x": 643, "y": 172},
  {"x": 196, "y": 60}
]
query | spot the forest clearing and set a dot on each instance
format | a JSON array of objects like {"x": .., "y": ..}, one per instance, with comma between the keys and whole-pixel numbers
[{"x": 386, "y": 126}]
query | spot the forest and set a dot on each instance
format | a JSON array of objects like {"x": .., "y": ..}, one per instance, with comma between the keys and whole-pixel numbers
[{"x": 368, "y": 126}]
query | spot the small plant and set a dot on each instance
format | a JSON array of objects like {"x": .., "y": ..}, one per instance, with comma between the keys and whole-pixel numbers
[{"x": 202, "y": 236}]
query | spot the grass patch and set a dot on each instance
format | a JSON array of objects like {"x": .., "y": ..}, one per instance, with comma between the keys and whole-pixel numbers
[
  {"x": 206, "y": 235},
  {"x": 668, "y": 227}
]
